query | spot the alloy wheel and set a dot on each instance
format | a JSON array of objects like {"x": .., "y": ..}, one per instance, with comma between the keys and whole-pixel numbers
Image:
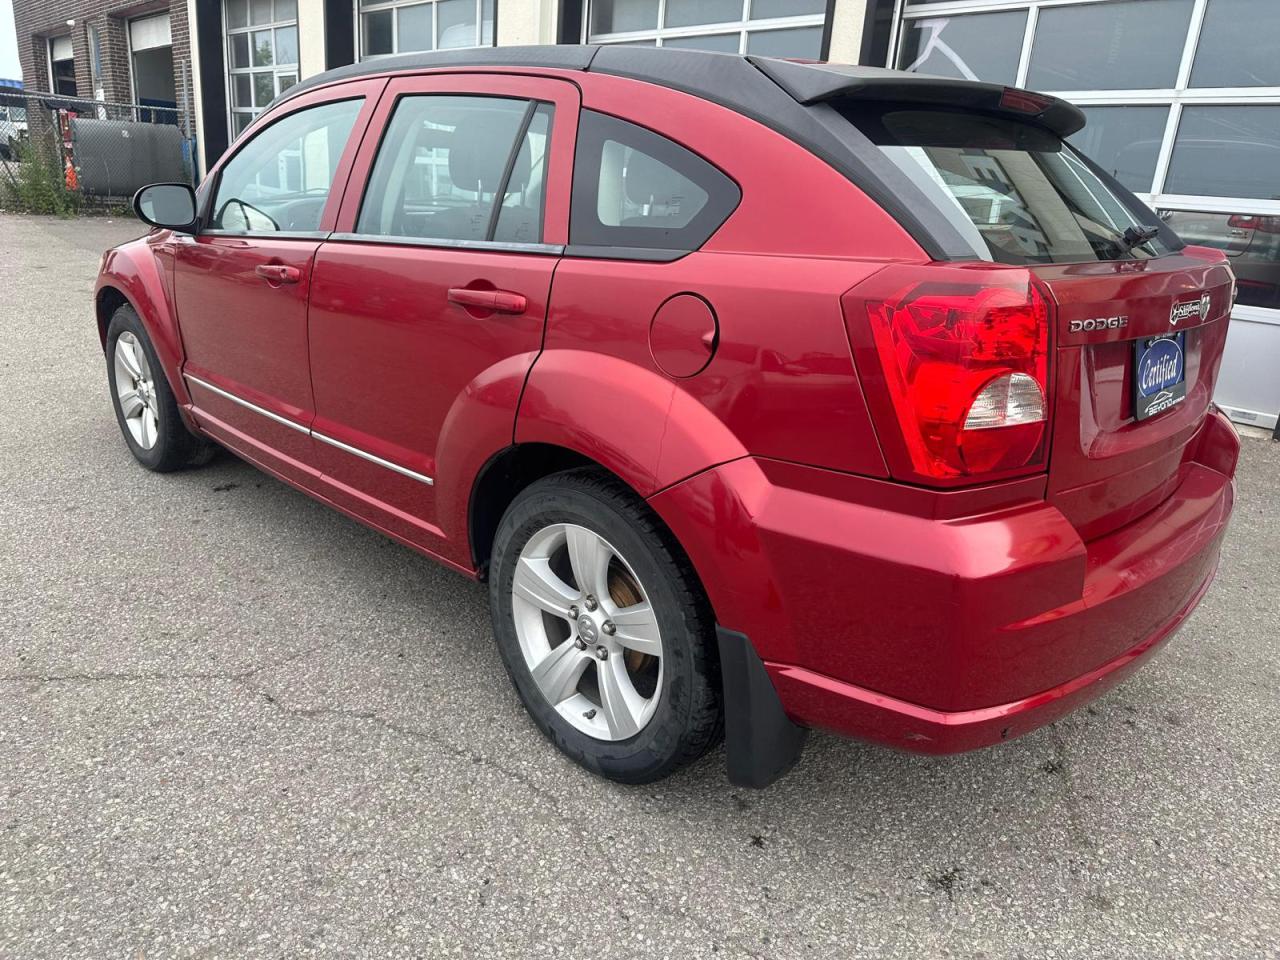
[
  {"x": 135, "y": 391},
  {"x": 588, "y": 632}
]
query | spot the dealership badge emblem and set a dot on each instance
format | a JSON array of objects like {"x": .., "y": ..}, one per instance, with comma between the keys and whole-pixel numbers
[{"x": 1190, "y": 308}]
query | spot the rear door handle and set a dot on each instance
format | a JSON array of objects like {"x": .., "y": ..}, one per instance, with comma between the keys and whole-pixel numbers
[
  {"x": 499, "y": 301},
  {"x": 278, "y": 273}
]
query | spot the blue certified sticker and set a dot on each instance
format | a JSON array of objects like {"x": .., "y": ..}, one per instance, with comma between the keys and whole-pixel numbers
[
  {"x": 1159, "y": 374},
  {"x": 1160, "y": 367}
]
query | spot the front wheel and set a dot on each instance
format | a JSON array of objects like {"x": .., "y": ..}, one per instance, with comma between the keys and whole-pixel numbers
[
  {"x": 145, "y": 406},
  {"x": 603, "y": 628}
]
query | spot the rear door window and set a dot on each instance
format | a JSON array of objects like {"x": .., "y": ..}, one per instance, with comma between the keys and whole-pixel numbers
[
  {"x": 460, "y": 168},
  {"x": 1016, "y": 190},
  {"x": 634, "y": 188}
]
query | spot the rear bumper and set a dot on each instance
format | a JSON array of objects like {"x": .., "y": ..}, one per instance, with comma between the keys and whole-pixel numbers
[
  {"x": 944, "y": 622},
  {"x": 843, "y": 707}
]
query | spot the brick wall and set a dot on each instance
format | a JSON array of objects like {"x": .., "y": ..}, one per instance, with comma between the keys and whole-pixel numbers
[{"x": 38, "y": 20}]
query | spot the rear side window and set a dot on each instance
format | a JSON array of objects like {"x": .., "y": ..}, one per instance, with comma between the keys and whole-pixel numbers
[
  {"x": 1016, "y": 190},
  {"x": 460, "y": 168},
  {"x": 634, "y": 188}
]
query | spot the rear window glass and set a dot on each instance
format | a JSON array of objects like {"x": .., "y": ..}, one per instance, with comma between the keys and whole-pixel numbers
[{"x": 1016, "y": 190}]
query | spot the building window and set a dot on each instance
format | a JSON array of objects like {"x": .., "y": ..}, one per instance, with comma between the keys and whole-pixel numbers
[
  {"x": 771, "y": 28},
  {"x": 262, "y": 55},
  {"x": 62, "y": 67},
  {"x": 151, "y": 56},
  {"x": 404, "y": 26},
  {"x": 980, "y": 47}
]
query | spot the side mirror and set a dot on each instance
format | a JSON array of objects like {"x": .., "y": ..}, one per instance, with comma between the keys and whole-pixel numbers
[{"x": 168, "y": 205}]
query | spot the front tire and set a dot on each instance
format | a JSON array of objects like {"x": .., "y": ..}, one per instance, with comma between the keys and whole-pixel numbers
[
  {"x": 603, "y": 628},
  {"x": 144, "y": 404}
]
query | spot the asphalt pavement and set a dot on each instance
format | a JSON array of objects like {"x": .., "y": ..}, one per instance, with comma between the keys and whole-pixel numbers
[{"x": 234, "y": 723}]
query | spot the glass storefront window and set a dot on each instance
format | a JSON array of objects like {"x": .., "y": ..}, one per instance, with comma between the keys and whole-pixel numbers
[
  {"x": 725, "y": 26},
  {"x": 1238, "y": 45},
  {"x": 761, "y": 9},
  {"x": 1124, "y": 141},
  {"x": 689, "y": 13},
  {"x": 1128, "y": 45},
  {"x": 1251, "y": 243},
  {"x": 623, "y": 16},
  {"x": 980, "y": 46},
  {"x": 1227, "y": 151},
  {"x": 719, "y": 42},
  {"x": 262, "y": 60},
  {"x": 405, "y": 26},
  {"x": 804, "y": 43}
]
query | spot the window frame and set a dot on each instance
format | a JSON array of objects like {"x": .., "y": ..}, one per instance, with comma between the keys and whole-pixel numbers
[
  {"x": 1175, "y": 98},
  {"x": 744, "y": 26},
  {"x": 717, "y": 206},
  {"x": 529, "y": 110},
  {"x": 565, "y": 100},
  {"x": 53, "y": 79},
  {"x": 369, "y": 91}
]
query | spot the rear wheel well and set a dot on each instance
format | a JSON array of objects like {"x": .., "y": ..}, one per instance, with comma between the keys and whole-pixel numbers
[
  {"x": 502, "y": 479},
  {"x": 109, "y": 300}
]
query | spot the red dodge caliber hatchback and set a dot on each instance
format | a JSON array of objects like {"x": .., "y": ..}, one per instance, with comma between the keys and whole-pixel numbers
[{"x": 766, "y": 396}]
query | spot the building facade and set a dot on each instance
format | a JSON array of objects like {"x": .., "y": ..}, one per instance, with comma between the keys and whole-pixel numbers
[{"x": 1182, "y": 96}]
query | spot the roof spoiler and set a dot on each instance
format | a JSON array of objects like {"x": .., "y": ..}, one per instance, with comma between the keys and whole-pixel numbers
[{"x": 811, "y": 83}]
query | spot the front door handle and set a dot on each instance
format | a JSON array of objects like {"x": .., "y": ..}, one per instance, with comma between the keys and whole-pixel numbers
[
  {"x": 498, "y": 301},
  {"x": 278, "y": 273}
]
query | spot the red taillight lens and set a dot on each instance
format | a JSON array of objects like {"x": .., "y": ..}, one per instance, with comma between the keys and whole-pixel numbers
[{"x": 966, "y": 367}]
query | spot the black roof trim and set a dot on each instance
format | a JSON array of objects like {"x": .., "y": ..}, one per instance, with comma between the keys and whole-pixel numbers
[
  {"x": 811, "y": 83},
  {"x": 547, "y": 56}
]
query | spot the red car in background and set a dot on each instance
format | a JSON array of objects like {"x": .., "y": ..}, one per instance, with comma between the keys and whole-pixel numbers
[{"x": 766, "y": 396}]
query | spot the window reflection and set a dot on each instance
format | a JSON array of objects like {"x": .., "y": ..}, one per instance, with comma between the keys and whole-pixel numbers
[
  {"x": 975, "y": 47},
  {"x": 1251, "y": 243}
]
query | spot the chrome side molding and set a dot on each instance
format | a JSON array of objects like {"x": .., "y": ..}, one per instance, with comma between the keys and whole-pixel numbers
[{"x": 292, "y": 425}]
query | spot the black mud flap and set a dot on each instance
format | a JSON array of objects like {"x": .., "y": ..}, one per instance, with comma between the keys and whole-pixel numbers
[{"x": 761, "y": 740}]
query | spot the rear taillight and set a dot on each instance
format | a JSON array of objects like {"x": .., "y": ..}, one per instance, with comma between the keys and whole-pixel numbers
[{"x": 964, "y": 362}]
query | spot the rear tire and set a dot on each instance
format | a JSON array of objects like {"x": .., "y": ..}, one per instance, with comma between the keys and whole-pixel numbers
[
  {"x": 635, "y": 699},
  {"x": 144, "y": 404}
]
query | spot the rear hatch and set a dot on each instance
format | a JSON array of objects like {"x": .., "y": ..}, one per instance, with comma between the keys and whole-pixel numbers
[
  {"x": 1137, "y": 321},
  {"x": 1108, "y": 466}
]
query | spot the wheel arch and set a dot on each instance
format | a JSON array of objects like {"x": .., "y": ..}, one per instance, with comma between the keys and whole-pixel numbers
[
  {"x": 131, "y": 275},
  {"x": 514, "y": 469}
]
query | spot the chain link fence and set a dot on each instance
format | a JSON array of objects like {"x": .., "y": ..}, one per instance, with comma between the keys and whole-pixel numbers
[{"x": 65, "y": 154}]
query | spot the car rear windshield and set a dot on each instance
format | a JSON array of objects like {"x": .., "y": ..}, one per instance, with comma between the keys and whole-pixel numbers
[{"x": 1014, "y": 189}]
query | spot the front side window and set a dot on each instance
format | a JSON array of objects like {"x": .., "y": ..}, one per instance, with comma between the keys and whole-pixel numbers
[
  {"x": 1016, "y": 190},
  {"x": 460, "y": 168},
  {"x": 280, "y": 180},
  {"x": 634, "y": 188}
]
